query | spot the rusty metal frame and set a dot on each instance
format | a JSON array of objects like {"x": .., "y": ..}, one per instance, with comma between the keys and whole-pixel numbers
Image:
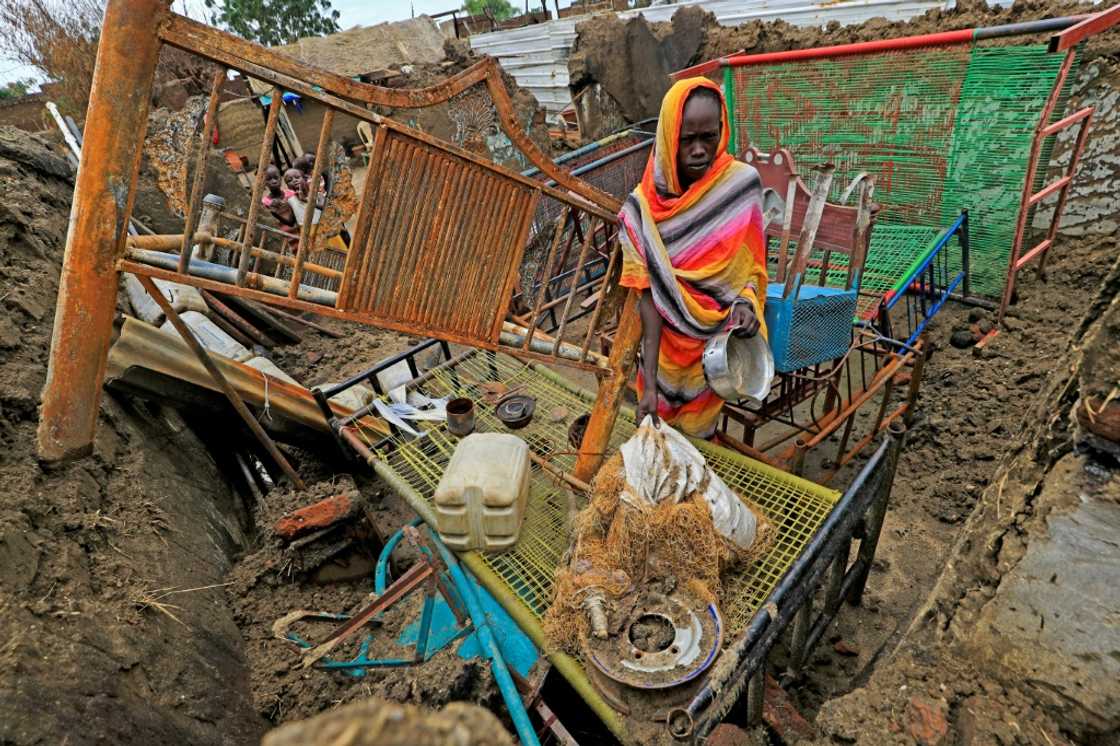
[
  {"x": 1046, "y": 129},
  {"x": 128, "y": 50},
  {"x": 814, "y": 405}
]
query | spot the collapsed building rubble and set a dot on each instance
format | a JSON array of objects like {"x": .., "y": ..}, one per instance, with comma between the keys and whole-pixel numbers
[{"x": 312, "y": 552}]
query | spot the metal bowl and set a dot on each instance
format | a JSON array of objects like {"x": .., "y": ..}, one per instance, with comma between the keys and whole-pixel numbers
[{"x": 738, "y": 367}]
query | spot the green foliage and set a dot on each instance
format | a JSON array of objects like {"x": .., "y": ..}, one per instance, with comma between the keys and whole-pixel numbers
[
  {"x": 273, "y": 22},
  {"x": 16, "y": 88},
  {"x": 499, "y": 10}
]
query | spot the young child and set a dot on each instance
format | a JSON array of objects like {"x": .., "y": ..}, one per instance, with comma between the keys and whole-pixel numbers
[{"x": 275, "y": 199}]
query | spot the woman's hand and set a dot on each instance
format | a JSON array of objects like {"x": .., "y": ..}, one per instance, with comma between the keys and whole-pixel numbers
[
  {"x": 743, "y": 320},
  {"x": 648, "y": 405}
]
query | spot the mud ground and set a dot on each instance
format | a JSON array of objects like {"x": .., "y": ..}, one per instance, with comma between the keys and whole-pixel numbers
[{"x": 971, "y": 413}]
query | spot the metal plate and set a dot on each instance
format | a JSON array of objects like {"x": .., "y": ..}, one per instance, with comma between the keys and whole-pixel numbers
[{"x": 697, "y": 637}]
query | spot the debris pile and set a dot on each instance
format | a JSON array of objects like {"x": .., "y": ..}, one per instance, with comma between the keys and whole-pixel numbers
[{"x": 622, "y": 544}]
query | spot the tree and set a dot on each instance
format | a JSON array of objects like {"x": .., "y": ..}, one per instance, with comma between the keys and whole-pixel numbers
[
  {"x": 499, "y": 10},
  {"x": 16, "y": 88},
  {"x": 273, "y": 22},
  {"x": 59, "y": 39}
]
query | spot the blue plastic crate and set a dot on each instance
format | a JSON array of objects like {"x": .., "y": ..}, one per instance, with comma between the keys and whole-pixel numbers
[{"x": 809, "y": 327}]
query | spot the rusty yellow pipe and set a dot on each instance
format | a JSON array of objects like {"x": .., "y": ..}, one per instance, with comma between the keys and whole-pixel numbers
[{"x": 103, "y": 195}]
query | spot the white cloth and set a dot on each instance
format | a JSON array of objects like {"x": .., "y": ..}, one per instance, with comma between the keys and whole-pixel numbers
[{"x": 661, "y": 465}]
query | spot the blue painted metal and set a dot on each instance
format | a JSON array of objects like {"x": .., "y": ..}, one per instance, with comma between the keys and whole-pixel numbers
[
  {"x": 812, "y": 325},
  {"x": 517, "y": 648},
  {"x": 498, "y": 666},
  {"x": 931, "y": 282},
  {"x": 933, "y": 252}
]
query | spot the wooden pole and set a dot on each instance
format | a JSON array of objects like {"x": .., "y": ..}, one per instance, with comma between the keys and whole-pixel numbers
[{"x": 238, "y": 405}]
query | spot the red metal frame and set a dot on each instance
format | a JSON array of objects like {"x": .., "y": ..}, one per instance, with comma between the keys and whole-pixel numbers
[{"x": 1019, "y": 258}]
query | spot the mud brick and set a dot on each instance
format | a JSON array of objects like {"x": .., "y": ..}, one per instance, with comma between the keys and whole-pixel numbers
[
  {"x": 926, "y": 721},
  {"x": 322, "y": 514}
]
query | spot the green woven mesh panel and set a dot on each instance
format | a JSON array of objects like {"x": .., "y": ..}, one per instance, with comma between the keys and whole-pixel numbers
[
  {"x": 889, "y": 114},
  {"x": 1004, "y": 92},
  {"x": 942, "y": 129}
]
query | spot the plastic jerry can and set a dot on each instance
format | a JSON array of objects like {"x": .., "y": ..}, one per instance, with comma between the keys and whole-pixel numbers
[{"x": 480, "y": 500}]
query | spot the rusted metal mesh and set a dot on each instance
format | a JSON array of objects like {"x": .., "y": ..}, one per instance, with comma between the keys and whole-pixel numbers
[
  {"x": 599, "y": 165},
  {"x": 942, "y": 129},
  {"x": 794, "y": 506}
]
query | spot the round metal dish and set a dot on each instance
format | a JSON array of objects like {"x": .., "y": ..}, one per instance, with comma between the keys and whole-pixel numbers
[
  {"x": 516, "y": 411},
  {"x": 697, "y": 636},
  {"x": 738, "y": 367}
]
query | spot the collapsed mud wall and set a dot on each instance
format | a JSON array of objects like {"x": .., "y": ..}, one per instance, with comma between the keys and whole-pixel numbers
[
  {"x": 619, "y": 70},
  {"x": 612, "y": 88},
  {"x": 112, "y": 627}
]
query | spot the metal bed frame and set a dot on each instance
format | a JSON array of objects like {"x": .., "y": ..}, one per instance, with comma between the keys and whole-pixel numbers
[{"x": 825, "y": 546}]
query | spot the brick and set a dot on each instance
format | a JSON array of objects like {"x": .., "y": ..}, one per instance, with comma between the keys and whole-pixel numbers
[
  {"x": 322, "y": 514},
  {"x": 926, "y": 721}
]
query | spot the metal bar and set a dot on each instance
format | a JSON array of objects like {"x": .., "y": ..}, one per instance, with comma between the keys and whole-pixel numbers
[
  {"x": 1075, "y": 159},
  {"x": 1054, "y": 186},
  {"x": 802, "y": 621},
  {"x": 168, "y": 242},
  {"x": 202, "y": 274},
  {"x": 870, "y": 541},
  {"x": 729, "y": 100},
  {"x": 1028, "y": 185},
  {"x": 756, "y": 695},
  {"x": 1072, "y": 119},
  {"x": 575, "y": 284},
  {"x": 915, "y": 386},
  {"x": 1094, "y": 24},
  {"x": 105, "y": 188},
  {"x": 963, "y": 36},
  {"x": 358, "y": 255},
  {"x": 195, "y": 203},
  {"x": 593, "y": 325},
  {"x": 1024, "y": 28},
  {"x": 308, "y": 229},
  {"x": 505, "y": 296},
  {"x": 235, "y": 400},
  {"x": 558, "y": 231},
  {"x": 263, "y": 161},
  {"x": 1040, "y": 247}
]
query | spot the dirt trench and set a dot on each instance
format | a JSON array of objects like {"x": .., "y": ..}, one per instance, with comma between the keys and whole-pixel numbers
[{"x": 113, "y": 621}]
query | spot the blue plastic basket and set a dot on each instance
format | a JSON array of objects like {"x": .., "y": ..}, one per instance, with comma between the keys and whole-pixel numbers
[{"x": 813, "y": 325}]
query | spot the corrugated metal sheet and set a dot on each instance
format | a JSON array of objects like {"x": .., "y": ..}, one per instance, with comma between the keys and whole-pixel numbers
[{"x": 537, "y": 56}]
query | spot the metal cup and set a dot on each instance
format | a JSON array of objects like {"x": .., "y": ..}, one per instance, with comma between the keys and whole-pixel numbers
[{"x": 460, "y": 417}]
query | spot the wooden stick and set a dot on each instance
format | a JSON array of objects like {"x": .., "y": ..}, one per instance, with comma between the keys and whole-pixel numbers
[
  {"x": 200, "y": 167},
  {"x": 300, "y": 320},
  {"x": 263, "y": 161},
  {"x": 204, "y": 358}
]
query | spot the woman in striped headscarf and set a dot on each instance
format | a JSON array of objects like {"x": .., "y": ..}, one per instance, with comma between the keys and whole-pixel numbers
[{"x": 693, "y": 243}]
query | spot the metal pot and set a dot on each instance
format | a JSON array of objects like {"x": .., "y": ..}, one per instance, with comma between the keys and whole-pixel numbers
[{"x": 738, "y": 367}]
